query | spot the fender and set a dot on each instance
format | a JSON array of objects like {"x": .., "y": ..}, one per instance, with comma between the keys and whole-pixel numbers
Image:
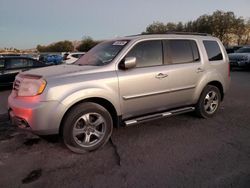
[
  {"x": 208, "y": 77},
  {"x": 83, "y": 94}
]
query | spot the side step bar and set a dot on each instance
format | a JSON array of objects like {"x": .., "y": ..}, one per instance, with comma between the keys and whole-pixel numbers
[{"x": 158, "y": 115}]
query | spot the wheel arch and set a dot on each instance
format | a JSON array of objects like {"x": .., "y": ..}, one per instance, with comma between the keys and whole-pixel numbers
[
  {"x": 98, "y": 100},
  {"x": 219, "y": 86}
]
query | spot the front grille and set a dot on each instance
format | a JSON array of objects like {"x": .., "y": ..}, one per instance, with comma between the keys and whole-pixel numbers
[{"x": 16, "y": 85}]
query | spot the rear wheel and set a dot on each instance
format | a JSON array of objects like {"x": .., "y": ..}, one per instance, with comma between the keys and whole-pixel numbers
[
  {"x": 209, "y": 102},
  {"x": 87, "y": 127}
]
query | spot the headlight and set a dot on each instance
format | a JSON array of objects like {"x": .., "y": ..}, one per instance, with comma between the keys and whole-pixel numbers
[{"x": 31, "y": 87}]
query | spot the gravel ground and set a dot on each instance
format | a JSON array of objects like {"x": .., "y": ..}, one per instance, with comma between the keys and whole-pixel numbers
[{"x": 181, "y": 151}]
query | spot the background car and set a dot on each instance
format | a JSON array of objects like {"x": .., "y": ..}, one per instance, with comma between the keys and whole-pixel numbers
[
  {"x": 7, "y": 55},
  {"x": 11, "y": 66},
  {"x": 240, "y": 58},
  {"x": 51, "y": 58},
  {"x": 232, "y": 49},
  {"x": 69, "y": 58}
]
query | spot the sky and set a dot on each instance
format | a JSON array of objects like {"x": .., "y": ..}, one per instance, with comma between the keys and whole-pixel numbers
[{"x": 26, "y": 23}]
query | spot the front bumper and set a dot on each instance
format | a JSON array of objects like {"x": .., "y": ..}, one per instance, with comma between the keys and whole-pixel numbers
[{"x": 28, "y": 113}]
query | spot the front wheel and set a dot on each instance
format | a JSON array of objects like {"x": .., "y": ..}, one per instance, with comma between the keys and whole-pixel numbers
[
  {"x": 87, "y": 127},
  {"x": 209, "y": 102}
]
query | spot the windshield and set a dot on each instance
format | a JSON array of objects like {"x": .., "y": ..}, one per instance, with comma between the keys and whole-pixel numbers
[
  {"x": 102, "y": 53},
  {"x": 243, "y": 50}
]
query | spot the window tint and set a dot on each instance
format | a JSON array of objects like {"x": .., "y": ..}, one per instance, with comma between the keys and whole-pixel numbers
[
  {"x": 213, "y": 50},
  {"x": 180, "y": 51},
  {"x": 16, "y": 63},
  {"x": 147, "y": 53}
]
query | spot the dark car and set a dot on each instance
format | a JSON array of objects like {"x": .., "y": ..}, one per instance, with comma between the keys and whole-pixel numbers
[
  {"x": 11, "y": 66},
  {"x": 232, "y": 49},
  {"x": 240, "y": 58}
]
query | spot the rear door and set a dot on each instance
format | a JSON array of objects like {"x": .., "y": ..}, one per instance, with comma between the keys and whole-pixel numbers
[{"x": 185, "y": 70}]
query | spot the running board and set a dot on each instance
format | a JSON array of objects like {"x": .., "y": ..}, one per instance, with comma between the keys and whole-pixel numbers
[{"x": 158, "y": 115}]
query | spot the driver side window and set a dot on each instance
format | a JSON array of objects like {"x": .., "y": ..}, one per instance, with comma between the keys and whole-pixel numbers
[{"x": 147, "y": 53}]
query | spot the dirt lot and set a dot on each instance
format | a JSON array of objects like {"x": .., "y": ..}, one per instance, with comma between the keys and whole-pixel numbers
[{"x": 181, "y": 151}]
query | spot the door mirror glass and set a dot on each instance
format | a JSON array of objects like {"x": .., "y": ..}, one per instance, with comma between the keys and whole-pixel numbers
[{"x": 128, "y": 63}]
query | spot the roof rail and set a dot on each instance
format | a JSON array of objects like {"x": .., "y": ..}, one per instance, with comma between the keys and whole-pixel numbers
[
  {"x": 172, "y": 32},
  {"x": 187, "y": 33}
]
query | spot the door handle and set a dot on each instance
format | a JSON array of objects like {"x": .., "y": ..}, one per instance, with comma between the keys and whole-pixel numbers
[
  {"x": 200, "y": 70},
  {"x": 161, "y": 75}
]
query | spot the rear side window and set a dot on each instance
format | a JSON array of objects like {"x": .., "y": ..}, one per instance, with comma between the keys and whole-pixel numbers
[
  {"x": 213, "y": 50},
  {"x": 182, "y": 51},
  {"x": 147, "y": 53}
]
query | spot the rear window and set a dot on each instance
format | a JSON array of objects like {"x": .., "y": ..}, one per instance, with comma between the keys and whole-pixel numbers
[{"x": 213, "y": 50}]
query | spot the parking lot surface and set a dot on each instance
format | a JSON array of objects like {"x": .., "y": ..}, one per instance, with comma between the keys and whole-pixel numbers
[{"x": 181, "y": 151}]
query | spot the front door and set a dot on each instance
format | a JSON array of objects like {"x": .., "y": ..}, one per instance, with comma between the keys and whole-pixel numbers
[{"x": 144, "y": 88}]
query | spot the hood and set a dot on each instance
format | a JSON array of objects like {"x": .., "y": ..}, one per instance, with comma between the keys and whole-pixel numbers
[{"x": 58, "y": 70}]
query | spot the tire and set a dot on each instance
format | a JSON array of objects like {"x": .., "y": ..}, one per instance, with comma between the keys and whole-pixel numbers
[
  {"x": 87, "y": 127},
  {"x": 209, "y": 102}
]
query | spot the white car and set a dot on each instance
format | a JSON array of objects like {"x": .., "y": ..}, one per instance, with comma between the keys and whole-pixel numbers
[{"x": 70, "y": 58}]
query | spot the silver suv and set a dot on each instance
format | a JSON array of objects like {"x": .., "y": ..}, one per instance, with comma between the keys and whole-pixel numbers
[{"x": 123, "y": 81}]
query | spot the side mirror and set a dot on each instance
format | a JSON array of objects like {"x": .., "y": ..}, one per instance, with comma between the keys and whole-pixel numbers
[{"x": 128, "y": 63}]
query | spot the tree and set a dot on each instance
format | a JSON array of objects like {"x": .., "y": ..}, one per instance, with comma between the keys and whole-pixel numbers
[
  {"x": 203, "y": 24},
  {"x": 171, "y": 26},
  {"x": 239, "y": 29},
  {"x": 156, "y": 28},
  {"x": 179, "y": 27},
  {"x": 246, "y": 37},
  {"x": 224, "y": 25},
  {"x": 62, "y": 46},
  {"x": 86, "y": 44}
]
